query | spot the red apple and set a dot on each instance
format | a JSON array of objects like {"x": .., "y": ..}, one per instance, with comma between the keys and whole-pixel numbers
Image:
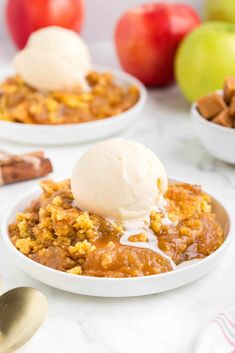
[
  {"x": 26, "y": 16},
  {"x": 147, "y": 37}
]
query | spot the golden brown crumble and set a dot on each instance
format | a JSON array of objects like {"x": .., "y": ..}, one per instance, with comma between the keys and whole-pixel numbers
[
  {"x": 141, "y": 237},
  {"x": 55, "y": 233},
  {"x": 21, "y": 103}
]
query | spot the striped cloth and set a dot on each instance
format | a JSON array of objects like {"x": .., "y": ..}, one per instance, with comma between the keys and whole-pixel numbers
[{"x": 219, "y": 335}]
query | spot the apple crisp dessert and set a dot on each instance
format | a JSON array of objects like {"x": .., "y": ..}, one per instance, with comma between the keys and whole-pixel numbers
[
  {"x": 104, "y": 98},
  {"x": 55, "y": 233}
]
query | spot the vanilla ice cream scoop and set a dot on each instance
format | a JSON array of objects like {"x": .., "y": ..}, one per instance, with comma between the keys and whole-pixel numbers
[
  {"x": 119, "y": 179},
  {"x": 54, "y": 58}
]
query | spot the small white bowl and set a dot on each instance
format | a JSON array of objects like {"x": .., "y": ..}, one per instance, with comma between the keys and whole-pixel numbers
[
  {"x": 218, "y": 140},
  {"x": 36, "y": 134},
  {"x": 116, "y": 287}
]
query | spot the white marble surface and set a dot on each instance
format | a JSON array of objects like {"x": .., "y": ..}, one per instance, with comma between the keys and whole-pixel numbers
[{"x": 163, "y": 323}]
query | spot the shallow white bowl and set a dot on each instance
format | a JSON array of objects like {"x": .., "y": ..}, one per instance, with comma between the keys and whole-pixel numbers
[
  {"x": 116, "y": 287},
  {"x": 218, "y": 140},
  {"x": 77, "y": 133}
]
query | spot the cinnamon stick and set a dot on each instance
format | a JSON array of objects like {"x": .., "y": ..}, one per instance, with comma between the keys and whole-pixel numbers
[{"x": 16, "y": 168}]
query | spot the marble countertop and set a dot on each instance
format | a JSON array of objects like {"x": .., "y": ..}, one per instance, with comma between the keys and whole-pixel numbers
[{"x": 163, "y": 323}]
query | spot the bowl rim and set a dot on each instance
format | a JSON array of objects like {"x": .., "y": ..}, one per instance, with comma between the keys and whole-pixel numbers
[
  {"x": 118, "y": 74},
  {"x": 198, "y": 117},
  {"x": 65, "y": 275}
]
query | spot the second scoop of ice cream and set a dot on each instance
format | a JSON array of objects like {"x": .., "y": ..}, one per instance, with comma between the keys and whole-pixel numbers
[
  {"x": 119, "y": 179},
  {"x": 54, "y": 58}
]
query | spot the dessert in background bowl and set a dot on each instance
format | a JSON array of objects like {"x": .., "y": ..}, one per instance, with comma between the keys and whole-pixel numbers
[
  {"x": 118, "y": 219},
  {"x": 57, "y": 96},
  {"x": 214, "y": 119}
]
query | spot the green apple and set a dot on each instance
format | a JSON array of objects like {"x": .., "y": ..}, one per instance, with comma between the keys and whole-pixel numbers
[
  {"x": 220, "y": 10},
  {"x": 205, "y": 57}
]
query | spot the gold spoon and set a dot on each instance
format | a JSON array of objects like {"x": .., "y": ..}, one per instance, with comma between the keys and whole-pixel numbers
[{"x": 22, "y": 311}]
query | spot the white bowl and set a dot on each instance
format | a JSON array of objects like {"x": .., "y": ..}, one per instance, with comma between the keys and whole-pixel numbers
[
  {"x": 37, "y": 134},
  {"x": 218, "y": 140},
  {"x": 116, "y": 287}
]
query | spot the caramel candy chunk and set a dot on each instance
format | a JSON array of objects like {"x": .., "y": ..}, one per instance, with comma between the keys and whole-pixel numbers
[
  {"x": 229, "y": 88},
  {"x": 211, "y": 105},
  {"x": 224, "y": 119},
  {"x": 232, "y": 107}
]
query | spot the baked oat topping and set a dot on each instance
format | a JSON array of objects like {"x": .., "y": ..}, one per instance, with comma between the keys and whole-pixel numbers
[{"x": 105, "y": 98}]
